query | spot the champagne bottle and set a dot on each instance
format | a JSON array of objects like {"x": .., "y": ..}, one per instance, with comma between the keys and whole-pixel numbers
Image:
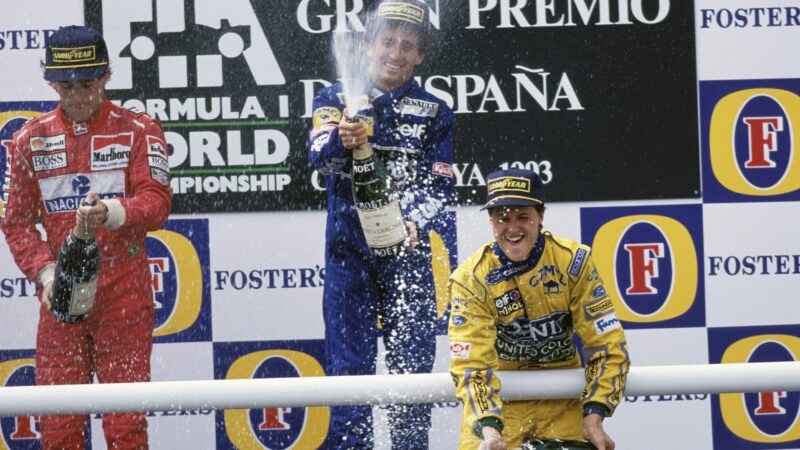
[
  {"x": 76, "y": 276},
  {"x": 377, "y": 203},
  {"x": 557, "y": 444}
]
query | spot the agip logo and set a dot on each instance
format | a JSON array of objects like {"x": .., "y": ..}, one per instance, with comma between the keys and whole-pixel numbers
[
  {"x": 179, "y": 263},
  {"x": 270, "y": 428},
  {"x": 16, "y": 433},
  {"x": 651, "y": 260},
  {"x": 750, "y": 138},
  {"x": 755, "y": 420}
]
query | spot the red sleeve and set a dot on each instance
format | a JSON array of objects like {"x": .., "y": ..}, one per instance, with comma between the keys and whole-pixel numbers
[
  {"x": 23, "y": 201},
  {"x": 150, "y": 200}
]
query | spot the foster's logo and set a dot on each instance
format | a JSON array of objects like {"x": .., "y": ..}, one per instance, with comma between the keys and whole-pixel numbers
[
  {"x": 755, "y": 420},
  {"x": 653, "y": 255},
  {"x": 751, "y": 136},
  {"x": 22, "y": 432},
  {"x": 179, "y": 263},
  {"x": 274, "y": 427}
]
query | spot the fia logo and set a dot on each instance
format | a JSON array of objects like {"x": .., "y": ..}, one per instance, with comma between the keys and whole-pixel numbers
[
  {"x": 279, "y": 427},
  {"x": 187, "y": 43},
  {"x": 654, "y": 257},
  {"x": 22, "y": 432},
  {"x": 755, "y": 420},
  {"x": 750, "y": 134},
  {"x": 179, "y": 264}
]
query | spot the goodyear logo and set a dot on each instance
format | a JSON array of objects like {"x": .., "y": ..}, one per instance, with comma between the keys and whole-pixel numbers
[
  {"x": 402, "y": 11},
  {"x": 280, "y": 427},
  {"x": 506, "y": 184},
  {"x": 74, "y": 55},
  {"x": 653, "y": 255},
  {"x": 12, "y": 116},
  {"x": 750, "y": 140},
  {"x": 179, "y": 263},
  {"x": 22, "y": 432},
  {"x": 755, "y": 420}
]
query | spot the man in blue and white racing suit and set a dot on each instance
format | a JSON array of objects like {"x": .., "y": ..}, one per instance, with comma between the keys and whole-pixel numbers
[{"x": 412, "y": 132}]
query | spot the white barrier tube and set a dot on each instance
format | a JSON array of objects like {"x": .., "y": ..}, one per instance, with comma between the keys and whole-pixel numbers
[{"x": 379, "y": 389}]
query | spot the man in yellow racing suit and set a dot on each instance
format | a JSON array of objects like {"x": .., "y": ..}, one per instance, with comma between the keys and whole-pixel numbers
[{"x": 515, "y": 305}]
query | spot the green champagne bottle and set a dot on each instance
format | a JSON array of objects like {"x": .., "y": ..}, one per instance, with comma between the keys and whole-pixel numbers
[
  {"x": 557, "y": 444},
  {"x": 76, "y": 276},
  {"x": 377, "y": 204}
]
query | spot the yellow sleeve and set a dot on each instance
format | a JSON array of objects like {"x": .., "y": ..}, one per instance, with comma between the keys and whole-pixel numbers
[
  {"x": 605, "y": 351},
  {"x": 473, "y": 359}
]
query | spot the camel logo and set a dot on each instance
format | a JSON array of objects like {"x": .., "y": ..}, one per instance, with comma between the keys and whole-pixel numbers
[
  {"x": 654, "y": 256},
  {"x": 551, "y": 287},
  {"x": 762, "y": 419},
  {"x": 186, "y": 44},
  {"x": 22, "y": 432},
  {"x": 750, "y": 135},
  {"x": 179, "y": 263},
  {"x": 279, "y": 427}
]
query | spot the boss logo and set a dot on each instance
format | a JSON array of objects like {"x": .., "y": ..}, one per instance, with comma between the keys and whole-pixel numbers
[{"x": 49, "y": 161}]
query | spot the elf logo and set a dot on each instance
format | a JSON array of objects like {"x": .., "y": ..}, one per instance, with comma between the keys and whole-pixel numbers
[
  {"x": 755, "y": 419},
  {"x": 752, "y": 141},
  {"x": 179, "y": 262},
  {"x": 279, "y": 427},
  {"x": 148, "y": 38},
  {"x": 17, "y": 369},
  {"x": 652, "y": 255},
  {"x": 412, "y": 130}
]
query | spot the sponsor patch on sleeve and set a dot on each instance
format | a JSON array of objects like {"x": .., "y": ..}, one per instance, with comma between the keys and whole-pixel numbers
[
  {"x": 158, "y": 163},
  {"x": 443, "y": 169},
  {"x": 324, "y": 128},
  {"x": 606, "y": 323},
  {"x": 598, "y": 308},
  {"x": 319, "y": 142},
  {"x": 326, "y": 114},
  {"x": 156, "y": 147},
  {"x": 160, "y": 176},
  {"x": 459, "y": 350},
  {"x": 599, "y": 292},
  {"x": 577, "y": 262}
]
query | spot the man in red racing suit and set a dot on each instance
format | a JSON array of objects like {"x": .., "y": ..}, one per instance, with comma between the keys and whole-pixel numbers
[{"x": 89, "y": 147}]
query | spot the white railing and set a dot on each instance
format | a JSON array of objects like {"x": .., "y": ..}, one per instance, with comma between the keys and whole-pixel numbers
[{"x": 379, "y": 389}]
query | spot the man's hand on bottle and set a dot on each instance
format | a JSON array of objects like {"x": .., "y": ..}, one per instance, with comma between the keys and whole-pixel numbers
[
  {"x": 492, "y": 440},
  {"x": 593, "y": 432},
  {"x": 352, "y": 134},
  {"x": 92, "y": 217},
  {"x": 47, "y": 295},
  {"x": 413, "y": 237}
]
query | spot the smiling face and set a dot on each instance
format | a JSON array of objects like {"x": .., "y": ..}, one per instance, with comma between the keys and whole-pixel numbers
[
  {"x": 516, "y": 229},
  {"x": 394, "y": 53},
  {"x": 81, "y": 100}
]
